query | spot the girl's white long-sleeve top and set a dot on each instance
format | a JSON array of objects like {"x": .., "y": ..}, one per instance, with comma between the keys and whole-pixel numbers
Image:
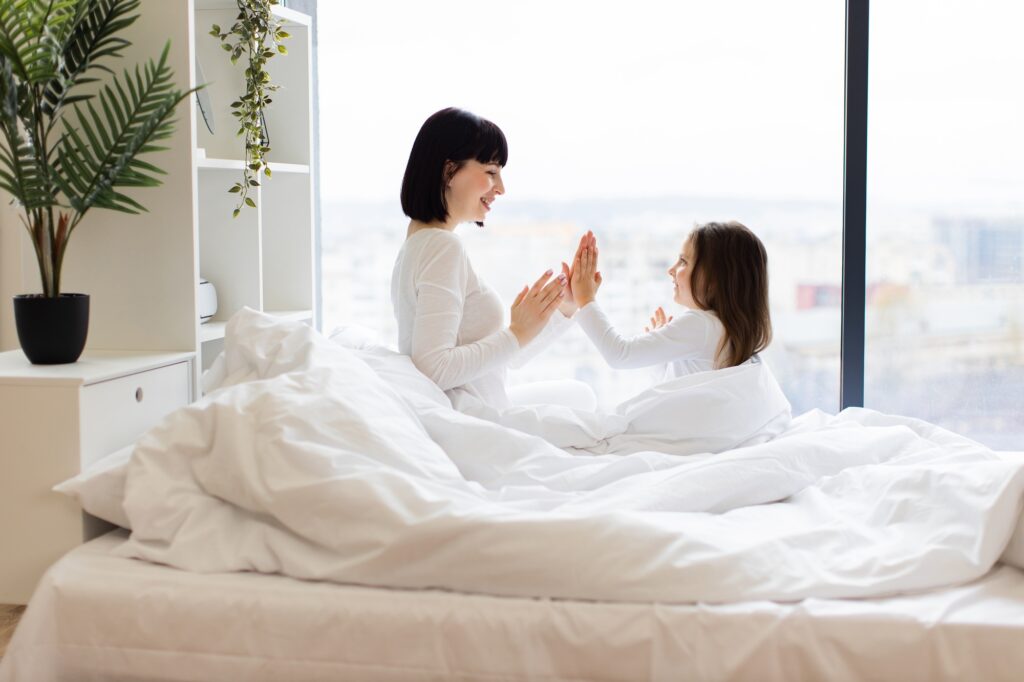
[
  {"x": 451, "y": 323},
  {"x": 685, "y": 345}
]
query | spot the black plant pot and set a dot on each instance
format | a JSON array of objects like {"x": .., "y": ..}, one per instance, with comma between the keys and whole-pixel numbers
[{"x": 52, "y": 331}]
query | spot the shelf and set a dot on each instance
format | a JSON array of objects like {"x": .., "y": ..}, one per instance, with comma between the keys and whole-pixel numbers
[
  {"x": 290, "y": 16},
  {"x": 211, "y": 331},
  {"x": 238, "y": 164},
  {"x": 298, "y": 315},
  {"x": 214, "y": 331}
]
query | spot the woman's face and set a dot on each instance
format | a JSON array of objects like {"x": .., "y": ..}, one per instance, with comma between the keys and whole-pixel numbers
[
  {"x": 472, "y": 190},
  {"x": 680, "y": 273}
]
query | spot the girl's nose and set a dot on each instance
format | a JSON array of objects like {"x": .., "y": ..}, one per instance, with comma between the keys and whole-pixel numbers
[{"x": 499, "y": 185}]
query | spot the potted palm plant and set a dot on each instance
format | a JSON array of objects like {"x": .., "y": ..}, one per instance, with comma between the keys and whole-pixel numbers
[{"x": 67, "y": 145}]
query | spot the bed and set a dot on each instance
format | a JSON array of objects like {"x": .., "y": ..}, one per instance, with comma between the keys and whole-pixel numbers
[
  {"x": 336, "y": 520},
  {"x": 97, "y": 616}
]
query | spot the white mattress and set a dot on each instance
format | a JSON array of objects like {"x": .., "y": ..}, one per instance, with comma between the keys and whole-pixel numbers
[{"x": 100, "y": 617}]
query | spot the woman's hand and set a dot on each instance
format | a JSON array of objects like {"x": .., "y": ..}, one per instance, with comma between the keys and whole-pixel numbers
[
  {"x": 659, "y": 320},
  {"x": 534, "y": 306},
  {"x": 586, "y": 280}
]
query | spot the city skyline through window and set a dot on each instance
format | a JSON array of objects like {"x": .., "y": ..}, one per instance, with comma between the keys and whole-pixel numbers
[
  {"x": 637, "y": 125},
  {"x": 945, "y": 314}
]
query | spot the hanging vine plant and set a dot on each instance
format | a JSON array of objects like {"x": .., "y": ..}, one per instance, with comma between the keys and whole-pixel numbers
[{"x": 257, "y": 33}]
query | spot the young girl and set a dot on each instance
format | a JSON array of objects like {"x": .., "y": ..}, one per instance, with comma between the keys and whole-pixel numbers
[{"x": 720, "y": 276}]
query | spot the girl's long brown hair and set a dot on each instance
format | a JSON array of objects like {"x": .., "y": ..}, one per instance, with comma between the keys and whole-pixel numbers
[{"x": 729, "y": 276}]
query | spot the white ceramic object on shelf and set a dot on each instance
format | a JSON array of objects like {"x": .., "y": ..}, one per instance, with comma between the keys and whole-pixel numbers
[{"x": 207, "y": 300}]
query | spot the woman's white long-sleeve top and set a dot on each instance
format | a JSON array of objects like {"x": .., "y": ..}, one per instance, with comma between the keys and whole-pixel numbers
[
  {"x": 451, "y": 323},
  {"x": 687, "y": 344}
]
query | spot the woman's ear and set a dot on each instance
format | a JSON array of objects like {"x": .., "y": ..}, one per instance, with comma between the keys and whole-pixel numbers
[{"x": 450, "y": 168}]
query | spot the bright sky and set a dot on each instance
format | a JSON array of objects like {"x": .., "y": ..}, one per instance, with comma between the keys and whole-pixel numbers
[{"x": 648, "y": 98}]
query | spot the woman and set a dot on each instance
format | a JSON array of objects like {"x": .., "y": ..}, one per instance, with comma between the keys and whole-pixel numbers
[{"x": 449, "y": 321}]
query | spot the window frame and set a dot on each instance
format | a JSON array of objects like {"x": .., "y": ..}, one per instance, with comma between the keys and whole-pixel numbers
[{"x": 855, "y": 153}]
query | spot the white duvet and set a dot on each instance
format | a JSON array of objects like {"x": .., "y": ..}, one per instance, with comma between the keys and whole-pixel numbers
[{"x": 321, "y": 462}]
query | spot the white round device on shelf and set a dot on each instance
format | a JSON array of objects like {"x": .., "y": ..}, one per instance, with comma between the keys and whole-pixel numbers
[{"x": 207, "y": 300}]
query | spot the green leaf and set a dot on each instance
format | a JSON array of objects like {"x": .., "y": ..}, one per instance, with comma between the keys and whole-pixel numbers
[
  {"x": 137, "y": 110},
  {"x": 90, "y": 36},
  {"x": 258, "y": 33},
  {"x": 234, "y": 214}
]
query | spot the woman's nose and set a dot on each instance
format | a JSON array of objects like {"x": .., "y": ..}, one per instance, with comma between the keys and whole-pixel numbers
[
  {"x": 499, "y": 185},
  {"x": 672, "y": 272}
]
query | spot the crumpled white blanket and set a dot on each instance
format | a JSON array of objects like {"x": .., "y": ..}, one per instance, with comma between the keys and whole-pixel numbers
[
  {"x": 320, "y": 462},
  {"x": 700, "y": 413}
]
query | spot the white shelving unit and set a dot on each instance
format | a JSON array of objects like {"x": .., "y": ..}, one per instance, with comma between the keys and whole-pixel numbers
[{"x": 263, "y": 259}]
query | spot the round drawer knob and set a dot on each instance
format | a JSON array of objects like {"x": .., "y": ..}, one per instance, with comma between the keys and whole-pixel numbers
[{"x": 138, "y": 394}]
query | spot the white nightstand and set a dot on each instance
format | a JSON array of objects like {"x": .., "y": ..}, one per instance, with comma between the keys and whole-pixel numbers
[{"x": 55, "y": 421}]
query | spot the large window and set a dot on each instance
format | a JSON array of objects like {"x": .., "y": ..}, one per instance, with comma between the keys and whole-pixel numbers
[
  {"x": 945, "y": 323},
  {"x": 635, "y": 123}
]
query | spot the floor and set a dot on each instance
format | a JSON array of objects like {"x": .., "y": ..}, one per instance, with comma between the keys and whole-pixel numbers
[{"x": 9, "y": 616}]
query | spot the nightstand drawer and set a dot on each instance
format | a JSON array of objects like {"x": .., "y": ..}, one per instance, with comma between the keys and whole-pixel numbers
[{"x": 116, "y": 412}]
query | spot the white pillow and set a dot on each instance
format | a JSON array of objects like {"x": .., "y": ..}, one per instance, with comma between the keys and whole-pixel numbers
[{"x": 100, "y": 488}]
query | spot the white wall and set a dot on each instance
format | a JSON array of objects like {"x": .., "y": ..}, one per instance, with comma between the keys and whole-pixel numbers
[{"x": 10, "y": 270}]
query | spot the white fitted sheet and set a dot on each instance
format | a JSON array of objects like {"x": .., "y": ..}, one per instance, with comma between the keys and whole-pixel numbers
[{"x": 96, "y": 616}]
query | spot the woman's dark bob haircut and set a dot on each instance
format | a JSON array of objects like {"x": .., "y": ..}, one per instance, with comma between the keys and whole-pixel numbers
[{"x": 452, "y": 135}]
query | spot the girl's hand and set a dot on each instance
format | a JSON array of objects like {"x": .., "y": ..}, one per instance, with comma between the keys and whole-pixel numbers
[
  {"x": 586, "y": 280},
  {"x": 568, "y": 305},
  {"x": 534, "y": 306},
  {"x": 659, "y": 320}
]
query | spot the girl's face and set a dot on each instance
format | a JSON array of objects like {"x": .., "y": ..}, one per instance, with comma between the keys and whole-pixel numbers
[
  {"x": 472, "y": 190},
  {"x": 680, "y": 273}
]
